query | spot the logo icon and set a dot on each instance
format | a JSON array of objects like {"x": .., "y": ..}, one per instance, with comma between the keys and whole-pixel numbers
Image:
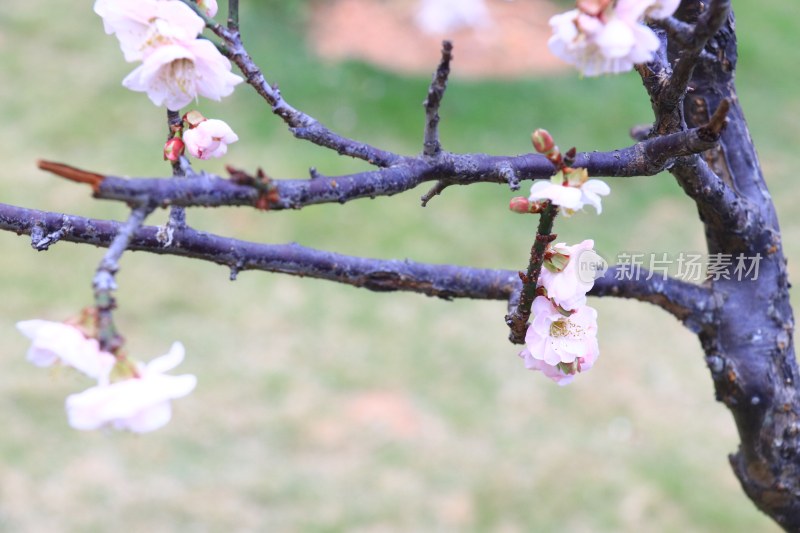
[{"x": 591, "y": 266}]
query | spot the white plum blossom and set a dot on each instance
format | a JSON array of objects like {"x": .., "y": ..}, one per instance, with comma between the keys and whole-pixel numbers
[
  {"x": 567, "y": 286},
  {"x": 571, "y": 191},
  {"x": 142, "y": 25},
  {"x": 209, "y": 139},
  {"x": 442, "y": 16},
  {"x": 139, "y": 404},
  {"x": 560, "y": 194},
  {"x": 176, "y": 74},
  {"x": 555, "y": 338},
  {"x": 608, "y": 37},
  {"x": 59, "y": 343}
]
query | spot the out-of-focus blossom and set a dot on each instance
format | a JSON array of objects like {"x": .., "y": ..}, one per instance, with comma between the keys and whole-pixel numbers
[
  {"x": 140, "y": 404},
  {"x": 602, "y": 37},
  {"x": 58, "y": 343},
  {"x": 143, "y": 25},
  {"x": 442, "y": 16}
]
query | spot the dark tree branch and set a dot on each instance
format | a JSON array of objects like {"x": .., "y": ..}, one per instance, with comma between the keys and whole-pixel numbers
[
  {"x": 642, "y": 159},
  {"x": 670, "y": 93},
  {"x": 692, "y": 304},
  {"x": 686, "y": 301},
  {"x": 434, "y": 99}
]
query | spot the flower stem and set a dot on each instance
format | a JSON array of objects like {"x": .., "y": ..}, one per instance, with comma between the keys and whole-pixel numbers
[{"x": 517, "y": 320}]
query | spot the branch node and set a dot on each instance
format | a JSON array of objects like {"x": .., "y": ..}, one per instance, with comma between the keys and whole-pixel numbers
[
  {"x": 717, "y": 122},
  {"x": 41, "y": 242},
  {"x": 436, "y": 190}
]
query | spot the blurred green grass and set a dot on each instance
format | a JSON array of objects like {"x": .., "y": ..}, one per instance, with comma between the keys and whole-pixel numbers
[{"x": 324, "y": 408}]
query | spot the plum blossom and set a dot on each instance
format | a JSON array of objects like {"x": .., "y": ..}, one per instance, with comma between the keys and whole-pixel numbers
[
  {"x": 601, "y": 36},
  {"x": 566, "y": 285},
  {"x": 571, "y": 189},
  {"x": 59, "y": 343},
  {"x": 143, "y": 25},
  {"x": 561, "y": 373},
  {"x": 139, "y": 404},
  {"x": 176, "y": 74},
  {"x": 442, "y": 16},
  {"x": 209, "y": 139},
  {"x": 555, "y": 338}
]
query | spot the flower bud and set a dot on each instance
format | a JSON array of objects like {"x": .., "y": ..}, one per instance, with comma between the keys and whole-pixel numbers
[
  {"x": 173, "y": 149},
  {"x": 194, "y": 118},
  {"x": 519, "y": 204},
  {"x": 542, "y": 141}
]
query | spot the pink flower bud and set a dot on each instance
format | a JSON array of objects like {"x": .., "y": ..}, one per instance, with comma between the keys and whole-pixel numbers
[
  {"x": 519, "y": 204},
  {"x": 542, "y": 141},
  {"x": 209, "y": 139},
  {"x": 173, "y": 149}
]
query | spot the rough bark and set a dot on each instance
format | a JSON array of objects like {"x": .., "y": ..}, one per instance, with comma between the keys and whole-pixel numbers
[{"x": 749, "y": 341}]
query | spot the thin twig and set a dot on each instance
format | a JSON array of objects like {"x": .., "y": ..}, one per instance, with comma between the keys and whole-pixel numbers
[
  {"x": 104, "y": 284},
  {"x": 435, "y": 94},
  {"x": 233, "y": 15},
  {"x": 301, "y": 125},
  {"x": 436, "y": 190}
]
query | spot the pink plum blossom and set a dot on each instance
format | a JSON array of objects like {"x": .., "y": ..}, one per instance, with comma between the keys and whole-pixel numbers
[
  {"x": 555, "y": 338},
  {"x": 561, "y": 373},
  {"x": 142, "y": 25},
  {"x": 209, "y": 139},
  {"x": 176, "y": 74},
  {"x": 610, "y": 41},
  {"x": 139, "y": 404},
  {"x": 59, "y": 343},
  {"x": 568, "y": 287}
]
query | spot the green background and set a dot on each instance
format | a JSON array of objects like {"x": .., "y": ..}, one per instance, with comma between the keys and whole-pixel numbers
[{"x": 327, "y": 408}]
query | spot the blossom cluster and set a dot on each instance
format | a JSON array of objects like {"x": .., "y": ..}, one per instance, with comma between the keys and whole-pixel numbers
[
  {"x": 608, "y": 36},
  {"x": 128, "y": 395},
  {"x": 561, "y": 340},
  {"x": 177, "y": 66}
]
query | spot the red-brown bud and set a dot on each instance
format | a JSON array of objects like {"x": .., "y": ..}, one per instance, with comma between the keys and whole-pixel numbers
[
  {"x": 173, "y": 149},
  {"x": 520, "y": 204},
  {"x": 542, "y": 141}
]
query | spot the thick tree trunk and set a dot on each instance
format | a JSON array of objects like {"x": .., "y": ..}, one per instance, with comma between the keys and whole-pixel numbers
[{"x": 748, "y": 345}]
